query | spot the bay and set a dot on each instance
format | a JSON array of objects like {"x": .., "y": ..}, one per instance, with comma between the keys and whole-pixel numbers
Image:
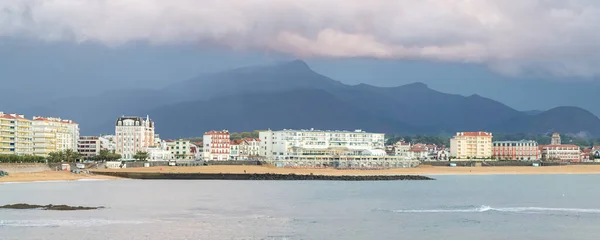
[{"x": 451, "y": 207}]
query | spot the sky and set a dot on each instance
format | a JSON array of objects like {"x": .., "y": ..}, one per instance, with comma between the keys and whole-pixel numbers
[{"x": 528, "y": 54}]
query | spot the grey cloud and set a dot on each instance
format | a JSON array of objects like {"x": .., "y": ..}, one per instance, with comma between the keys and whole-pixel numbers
[{"x": 548, "y": 37}]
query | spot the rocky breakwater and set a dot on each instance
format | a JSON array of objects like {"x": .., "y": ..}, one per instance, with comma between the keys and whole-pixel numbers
[
  {"x": 260, "y": 176},
  {"x": 47, "y": 207}
]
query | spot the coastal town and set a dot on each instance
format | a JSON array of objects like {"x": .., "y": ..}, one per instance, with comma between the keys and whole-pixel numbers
[{"x": 136, "y": 139}]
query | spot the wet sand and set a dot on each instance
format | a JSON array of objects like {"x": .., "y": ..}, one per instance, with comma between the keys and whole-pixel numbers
[
  {"x": 422, "y": 170},
  {"x": 50, "y": 176}
]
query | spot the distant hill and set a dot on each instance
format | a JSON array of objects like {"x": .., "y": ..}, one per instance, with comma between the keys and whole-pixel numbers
[
  {"x": 291, "y": 95},
  {"x": 571, "y": 120},
  {"x": 294, "y": 109}
]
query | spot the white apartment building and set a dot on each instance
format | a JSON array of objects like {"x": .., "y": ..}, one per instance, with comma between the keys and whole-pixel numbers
[
  {"x": 216, "y": 145},
  {"x": 54, "y": 135},
  {"x": 471, "y": 145},
  {"x": 16, "y": 134},
  {"x": 107, "y": 142},
  {"x": 560, "y": 152},
  {"x": 181, "y": 149},
  {"x": 287, "y": 143},
  {"x": 159, "y": 153},
  {"x": 133, "y": 134},
  {"x": 402, "y": 148}
]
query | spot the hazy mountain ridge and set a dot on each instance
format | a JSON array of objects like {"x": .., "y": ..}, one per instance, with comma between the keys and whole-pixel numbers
[{"x": 291, "y": 95}]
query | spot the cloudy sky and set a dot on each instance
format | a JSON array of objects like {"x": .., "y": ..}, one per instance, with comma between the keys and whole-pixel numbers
[{"x": 552, "y": 42}]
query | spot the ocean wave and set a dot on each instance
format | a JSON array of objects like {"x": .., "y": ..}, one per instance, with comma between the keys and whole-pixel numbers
[
  {"x": 65, "y": 223},
  {"x": 484, "y": 208}
]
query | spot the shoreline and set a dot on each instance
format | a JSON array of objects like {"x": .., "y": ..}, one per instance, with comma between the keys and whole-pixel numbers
[
  {"x": 421, "y": 170},
  {"x": 51, "y": 176},
  {"x": 61, "y": 176}
]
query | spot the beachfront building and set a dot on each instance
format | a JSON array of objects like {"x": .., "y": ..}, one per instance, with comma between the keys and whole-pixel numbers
[
  {"x": 159, "y": 153},
  {"x": 181, "y": 149},
  {"x": 251, "y": 148},
  {"x": 419, "y": 151},
  {"x": 556, "y": 151},
  {"x": 560, "y": 153},
  {"x": 471, "y": 145},
  {"x": 516, "y": 150},
  {"x": 199, "y": 150},
  {"x": 89, "y": 146},
  {"x": 107, "y": 142},
  {"x": 402, "y": 148},
  {"x": 234, "y": 150},
  {"x": 54, "y": 135},
  {"x": 216, "y": 145},
  {"x": 133, "y": 134},
  {"x": 317, "y": 149},
  {"x": 16, "y": 134},
  {"x": 289, "y": 143}
]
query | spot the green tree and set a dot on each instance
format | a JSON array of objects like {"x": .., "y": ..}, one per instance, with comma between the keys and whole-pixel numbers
[
  {"x": 140, "y": 156},
  {"x": 55, "y": 157},
  {"x": 71, "y": 156}
]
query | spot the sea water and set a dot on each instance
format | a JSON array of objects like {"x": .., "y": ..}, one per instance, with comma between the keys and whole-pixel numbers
[{"x": 451, "y": 207}]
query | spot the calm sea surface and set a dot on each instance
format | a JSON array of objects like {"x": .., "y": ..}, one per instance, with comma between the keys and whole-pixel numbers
[{"x": 452, "y": 207}]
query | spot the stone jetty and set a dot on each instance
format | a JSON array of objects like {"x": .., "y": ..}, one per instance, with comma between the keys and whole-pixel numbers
[{"x": 260, "y": 176}]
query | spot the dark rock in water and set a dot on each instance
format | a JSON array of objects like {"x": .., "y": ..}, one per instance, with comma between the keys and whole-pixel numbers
[{"x": 47, "y": 207}]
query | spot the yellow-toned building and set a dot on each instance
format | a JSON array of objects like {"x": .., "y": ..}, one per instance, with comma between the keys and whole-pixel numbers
[
  {"x": 15, "y": 134},
  {"x": 471, "y": 145},
  {"x": 54, "y": 135}
]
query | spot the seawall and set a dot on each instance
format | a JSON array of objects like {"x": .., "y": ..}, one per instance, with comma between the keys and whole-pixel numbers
[{"x": 258, "y": 176}]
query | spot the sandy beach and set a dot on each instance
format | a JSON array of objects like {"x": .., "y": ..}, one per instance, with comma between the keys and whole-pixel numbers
[
  {"x": 49, "y": 176},
  {"x": 422, "y": 170}
]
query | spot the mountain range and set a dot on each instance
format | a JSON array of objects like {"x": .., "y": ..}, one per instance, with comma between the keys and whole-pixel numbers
[{"x": 291, "y": 95}]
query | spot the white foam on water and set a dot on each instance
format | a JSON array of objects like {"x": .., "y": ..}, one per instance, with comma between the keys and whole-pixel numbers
[
  {"x": 65, "y": 223},
  {"x": 485, "y": 208},
  {"x": 460, "y": 210}
]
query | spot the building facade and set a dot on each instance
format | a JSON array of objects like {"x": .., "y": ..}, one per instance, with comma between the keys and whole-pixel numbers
[
  {"x": 471, "y": 145},
  {"x": 288, "y": 143},
  {"x": 133, "y": 134},
  {"x": 560, "y": 153},
  {"x": 216, "y": 145},
  {"x": 181, "y": 149},
  {"x": 402, "y": 148},
  {"x": 516, "y": 150},
  {"x": 235, "y": 152},
  {"x": 16, "y": 135},
  {"x": 250, "y": 148},
  {"x": 54, "y": 135},
  {"x": 89, "y": 146}
]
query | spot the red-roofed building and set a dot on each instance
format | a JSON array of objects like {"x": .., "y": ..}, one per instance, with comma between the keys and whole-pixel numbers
[
  {"x": 402, "y": 148},
  {"x": 216, "y": 145},
  {"x": 419, "y": 151},
  {"x": 471, "y": 145},
  {"x": 560, "y": 152}
]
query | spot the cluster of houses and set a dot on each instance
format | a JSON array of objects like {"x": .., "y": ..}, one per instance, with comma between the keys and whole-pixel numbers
[
  {"x": 310, "y": 146},
  {"x": 287, "y": 147},
  {"x": 480, "y": 146}
]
